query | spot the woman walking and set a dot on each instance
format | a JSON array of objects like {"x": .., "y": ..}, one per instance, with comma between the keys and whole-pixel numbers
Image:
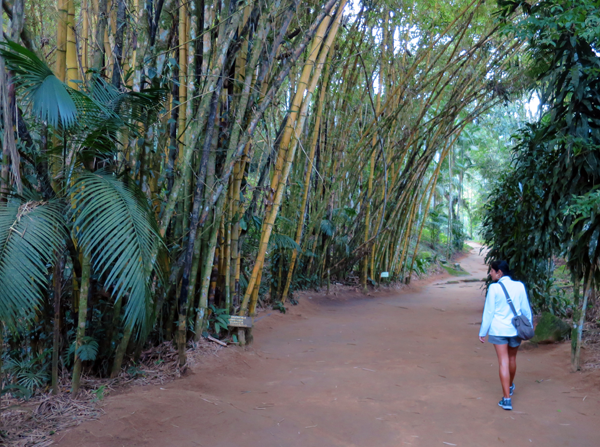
[{"x": 497, "y": 321}]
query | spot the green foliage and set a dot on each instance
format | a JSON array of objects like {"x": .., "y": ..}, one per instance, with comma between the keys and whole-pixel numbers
[
  {"x": 327, "y": 227},
  {"x": 421, "y": 265},
  {"x": 425, "y": 255},
  {"x": 28, "y": 374},
  {"x": 556, "y": 159},
  {"x": 458, "y": 235},
  {"x": 49, "y": 97},
  {"x": 115, "y": 227},
  {"x": 453, "y": 271},
  {"x": 31, "y": 232},
  {"x": 278, "y": 305},
  {"x": 88, "y": 350},
  {"x": 544, "y": 23},
  {"x": 435, "y": 221},
  {"x": 583, "y": 249},
  {"x": 99, "y": 393},
  {"x": 219, "y": 319},
  {"x": 282, "y": 242}
]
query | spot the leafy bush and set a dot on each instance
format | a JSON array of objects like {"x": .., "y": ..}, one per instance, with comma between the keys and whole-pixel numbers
[
  {"x": 28, "y": 374},
  {"x": 219, "y": 319}
]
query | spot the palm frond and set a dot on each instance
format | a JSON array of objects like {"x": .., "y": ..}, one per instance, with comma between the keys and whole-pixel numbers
[
  {"x": 327, "y": 227},
  {"x": 30, "y": 234},
  {"x": 129, "y": 105},
  {"x": 115, "y": 226},
  {"x": 103, "y": 111},
  {"x": 49, "y": 97},
  {"x": 282, "y": 242}
]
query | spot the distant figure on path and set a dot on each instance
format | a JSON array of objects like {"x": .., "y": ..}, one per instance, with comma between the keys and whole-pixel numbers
[{"x": 497, "y": 321}]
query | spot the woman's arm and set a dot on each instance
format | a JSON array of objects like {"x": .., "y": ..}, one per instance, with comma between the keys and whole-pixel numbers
[{"x": 488, "y": 311}]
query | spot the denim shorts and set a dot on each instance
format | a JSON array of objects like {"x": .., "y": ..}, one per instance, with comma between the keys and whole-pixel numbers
[{"x": 513, "y": 342}]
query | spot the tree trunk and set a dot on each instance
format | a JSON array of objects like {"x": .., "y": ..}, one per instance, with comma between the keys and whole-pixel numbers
[
  {"x": 10, "y": 155},
  {"x": 81, "y": 321},
  {"x": 576, "y": 316},
  {"x": 61, "y": 39},
  {"x": 120, "y": 353},
  {"x": 98, "y": 44},
  {"x": 71, "y": 57},
  {"x": 117, "y": 74},
  {"x": 589, "y": 290},
  {"x": 57, "y": 280},
  {"x": 198, "y": 196}
]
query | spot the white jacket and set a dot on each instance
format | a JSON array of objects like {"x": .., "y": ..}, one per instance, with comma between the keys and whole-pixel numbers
[{"x": 497, "y": 315}]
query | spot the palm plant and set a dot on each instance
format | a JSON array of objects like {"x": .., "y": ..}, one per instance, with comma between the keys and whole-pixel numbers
[{"x": 101, "y": 213}]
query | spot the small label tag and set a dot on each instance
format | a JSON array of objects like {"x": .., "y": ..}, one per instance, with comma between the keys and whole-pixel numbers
[
  {"x": 237, "y": 321},
  {"x": 385, "y": 274}
]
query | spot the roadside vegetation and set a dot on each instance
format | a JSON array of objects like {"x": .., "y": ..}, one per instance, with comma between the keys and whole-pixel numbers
[{"x": 545, "y": 209}]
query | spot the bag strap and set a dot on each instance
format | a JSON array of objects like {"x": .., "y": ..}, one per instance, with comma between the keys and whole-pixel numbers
[{"x": 510, "y": 303}]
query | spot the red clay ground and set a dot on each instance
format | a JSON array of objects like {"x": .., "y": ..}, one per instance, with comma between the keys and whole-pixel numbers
[{"x": 396, "y": 370}]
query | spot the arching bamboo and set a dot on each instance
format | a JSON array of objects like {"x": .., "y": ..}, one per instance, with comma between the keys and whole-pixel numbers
[
  {"x": 272, "y": 213},
  {"x": 309, "y": 170}
]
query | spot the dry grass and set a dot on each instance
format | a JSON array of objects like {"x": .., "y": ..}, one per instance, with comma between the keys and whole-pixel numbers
[{"x": 38, "y": 421}]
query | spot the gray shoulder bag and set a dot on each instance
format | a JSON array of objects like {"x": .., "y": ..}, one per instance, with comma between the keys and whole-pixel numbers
[{"x": 520, "y": 322}]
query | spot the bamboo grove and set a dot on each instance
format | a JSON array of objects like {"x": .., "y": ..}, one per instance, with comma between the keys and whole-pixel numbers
[{"x": 169, "y": 160}]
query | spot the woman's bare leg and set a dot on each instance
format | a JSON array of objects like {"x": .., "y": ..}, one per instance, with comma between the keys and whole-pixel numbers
[
  {"x": 503, "y": 363},
  {"x": 512, "y": 362}
]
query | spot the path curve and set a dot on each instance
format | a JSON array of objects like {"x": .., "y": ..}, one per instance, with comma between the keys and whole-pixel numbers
[{"x": 405, "y": 369}]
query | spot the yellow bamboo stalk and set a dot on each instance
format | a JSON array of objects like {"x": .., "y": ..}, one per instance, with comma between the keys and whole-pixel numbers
[
  {"x": 304, "y": 86},
  {"x": 61, "y": 39},
  {"x": 369, "y": 193},
  {"x": 255, "y": 292},
  {"x": 71, "y": 56},
  {"x": 297, "y": 101},
  {"x": 436, "y": 175},
  {"x": 309, "y": 169},
  {"x": 285, "y": 142},
  {"x": 408, "y": 230},
  {"x": 238, "y": 175},
  {"x": 85, "y": 30}
]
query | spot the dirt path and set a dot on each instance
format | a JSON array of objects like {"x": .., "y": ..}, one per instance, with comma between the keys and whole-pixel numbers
[{"x": 361, "y": 371}]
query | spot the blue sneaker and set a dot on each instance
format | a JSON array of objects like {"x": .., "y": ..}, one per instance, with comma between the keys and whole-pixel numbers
[
  {"x": 505, "y": 403},
  {"x": 512, "y": 389}
]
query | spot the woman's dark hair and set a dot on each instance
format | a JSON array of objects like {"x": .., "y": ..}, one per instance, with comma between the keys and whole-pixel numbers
[{"x": 502, "y": 266}]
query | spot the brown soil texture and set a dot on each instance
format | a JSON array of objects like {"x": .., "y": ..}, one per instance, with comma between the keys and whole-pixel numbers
[{"x": 353, "y": 370}]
